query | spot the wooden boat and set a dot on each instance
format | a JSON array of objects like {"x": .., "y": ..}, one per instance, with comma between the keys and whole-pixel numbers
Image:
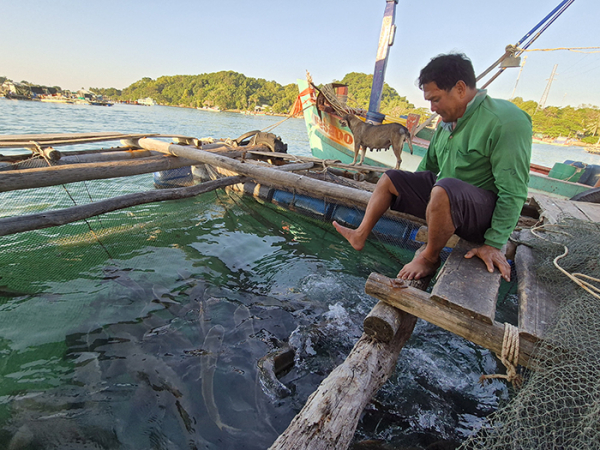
[{"x": 331, "y": 139}]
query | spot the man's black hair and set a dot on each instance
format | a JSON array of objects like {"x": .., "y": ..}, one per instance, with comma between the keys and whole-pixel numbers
[{"x": 447, "y": 70}]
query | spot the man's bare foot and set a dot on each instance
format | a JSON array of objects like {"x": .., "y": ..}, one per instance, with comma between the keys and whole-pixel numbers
[
  {"x": 419, "y": 267},
  {"x": 354, "y": 237}
]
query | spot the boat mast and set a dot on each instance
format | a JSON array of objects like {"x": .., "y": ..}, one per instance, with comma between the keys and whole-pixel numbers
[
  {"x": 386, "y": 40},
  {"x": 542, "y": 102}
]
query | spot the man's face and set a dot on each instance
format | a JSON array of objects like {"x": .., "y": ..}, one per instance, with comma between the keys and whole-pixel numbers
[{"x": 448, "y": 104}]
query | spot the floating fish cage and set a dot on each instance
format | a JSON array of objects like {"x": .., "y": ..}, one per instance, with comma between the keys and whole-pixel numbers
[
  {"x": 202, "y": 307},
  {"x": 128, "y": 321}
]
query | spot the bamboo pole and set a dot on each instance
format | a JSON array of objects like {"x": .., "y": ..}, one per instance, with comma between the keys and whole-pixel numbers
[
  {"x": 329, "y": 418},
  {"x": 272, "y": 177},
  {"x": 61, "y": 174},
  {"x": 30, "y": 222},
  {"x": 82, "y": 157},
  {"x": 27, "y": 140}
]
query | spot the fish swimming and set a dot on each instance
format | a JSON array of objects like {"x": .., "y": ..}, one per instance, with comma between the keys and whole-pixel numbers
[{"x": 208, "y": 363}]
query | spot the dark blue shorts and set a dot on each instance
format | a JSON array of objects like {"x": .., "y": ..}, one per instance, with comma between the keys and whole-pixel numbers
[{"x": 471, "y": 207}]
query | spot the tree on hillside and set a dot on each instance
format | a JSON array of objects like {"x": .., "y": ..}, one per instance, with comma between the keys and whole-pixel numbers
[{"x": 359, "y": 95}]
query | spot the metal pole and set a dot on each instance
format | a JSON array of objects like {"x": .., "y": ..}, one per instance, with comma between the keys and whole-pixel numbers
[
  {"x": 386, "y": 40},
  {"x": 518, "y": 76},
  {"x": 541, "y": 22}
]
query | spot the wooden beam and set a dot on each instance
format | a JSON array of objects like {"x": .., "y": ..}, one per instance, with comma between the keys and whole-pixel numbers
[
  {"x": 384, "y": 321},
  {"x": 554, "y": 209},
  {"x": 27, "y": 140},
  {"x": 79, "y": 158},
  {"x": 40, "y": 177},
  {"x": 537, "y": 307},
  {"x": 591, "y": 210},
  {"x": 48, "y": 219},
  {"x": 459, "y": 322},
  {"x": 329, "y": 418},
  {"x": 466, "y": 284},
  {"x": 271, "y": 177}
]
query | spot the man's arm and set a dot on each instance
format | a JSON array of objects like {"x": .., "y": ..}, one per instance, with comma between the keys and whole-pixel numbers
[{"x": 510, "y": 160}]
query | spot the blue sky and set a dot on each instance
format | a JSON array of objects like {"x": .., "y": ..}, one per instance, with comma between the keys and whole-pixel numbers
[{"x": 80, "y": 43}]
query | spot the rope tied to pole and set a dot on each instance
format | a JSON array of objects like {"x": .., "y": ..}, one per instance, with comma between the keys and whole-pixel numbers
[{"x": 509, "y": 357}]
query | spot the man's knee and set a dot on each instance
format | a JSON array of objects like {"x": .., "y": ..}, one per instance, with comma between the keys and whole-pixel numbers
[
  {"x": 439, "y": 196},
  {"x": 387, "y": 184}
]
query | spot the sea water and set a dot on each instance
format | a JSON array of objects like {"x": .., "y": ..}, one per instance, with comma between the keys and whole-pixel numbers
[{"x": 156, "y": 342}]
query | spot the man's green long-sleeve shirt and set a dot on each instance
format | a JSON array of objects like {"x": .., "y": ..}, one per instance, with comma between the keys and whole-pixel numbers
[{"x": 490, "y": 147}]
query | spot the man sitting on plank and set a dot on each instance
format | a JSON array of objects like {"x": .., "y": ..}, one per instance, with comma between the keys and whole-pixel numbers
[{"x": 473, "y": 179}]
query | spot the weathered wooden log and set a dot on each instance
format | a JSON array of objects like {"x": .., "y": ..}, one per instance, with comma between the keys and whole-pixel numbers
[
  {"x": 30, "y": 222},
  {"x": 27, "y": 155},
  {"x": 40, "y": 177},
  {"x": 456, "y": 321},
  {"x": 329, "y": 418},
  {"x": 271, "y": 177},
  {"x": 383, "y": 322},
  {"x": 537, "y": 307},
  {"x": 27, "y": 140},
  {"x": 99, "y": 156},
  {"x": 296, "y": 167}
]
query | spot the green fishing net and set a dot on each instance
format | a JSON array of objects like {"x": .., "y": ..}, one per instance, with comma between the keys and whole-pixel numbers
[{"x": 558, "y": 406}]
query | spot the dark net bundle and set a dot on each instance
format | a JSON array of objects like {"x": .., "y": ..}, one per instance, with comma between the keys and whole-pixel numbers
[{"x": 559, "y": 404}]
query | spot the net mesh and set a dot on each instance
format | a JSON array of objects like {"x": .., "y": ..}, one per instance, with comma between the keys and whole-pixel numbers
[
  {"x": 559, "y": 404},
  {"x": 86, "y": 243}
]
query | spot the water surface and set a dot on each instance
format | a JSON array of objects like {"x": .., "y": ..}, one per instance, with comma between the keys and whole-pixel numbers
[{"x": 148, "y": 331}]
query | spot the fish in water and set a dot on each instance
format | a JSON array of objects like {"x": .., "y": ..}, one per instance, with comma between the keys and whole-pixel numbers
[{"x": 208, "y": 363}]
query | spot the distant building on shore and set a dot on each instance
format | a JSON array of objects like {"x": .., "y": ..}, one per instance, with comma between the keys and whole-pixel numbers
[{"x": 148, "y": 101}]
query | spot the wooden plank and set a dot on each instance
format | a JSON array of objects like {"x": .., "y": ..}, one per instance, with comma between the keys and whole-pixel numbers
[
  {"x": 591, "y": 210},
  {"x": 466, "y": 285},
  {"x": 552, "y": 209},
  {"x": 536, "y": 306},
  {"x": 59, "y": 142},
  {"x": 459, "y": 322},
  {"x": 12, "y": 180},
  {"x": 70, "y": 158},
  {"x": 44, "y": 140},
  {"x": 55, "y": 136}
]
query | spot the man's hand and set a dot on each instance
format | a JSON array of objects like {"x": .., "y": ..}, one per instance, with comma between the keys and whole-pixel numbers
[{"x": 491, "y": 256}]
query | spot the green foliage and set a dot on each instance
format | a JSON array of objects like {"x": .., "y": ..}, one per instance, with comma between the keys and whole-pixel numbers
[
  {"x": 110, "y": 93},
  {"x": 582, "y": 122},
  {"x": 226, "y": 90},
  {"x": 234, "y": 91},
  {"x": 359, "y": 94}
]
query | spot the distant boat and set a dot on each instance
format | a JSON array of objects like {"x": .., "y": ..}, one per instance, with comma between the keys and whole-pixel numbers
[
  {"x": 100, "y": 103},
  {"x": 209, "y": 108},
  {"x": 55, "y": 99}
]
